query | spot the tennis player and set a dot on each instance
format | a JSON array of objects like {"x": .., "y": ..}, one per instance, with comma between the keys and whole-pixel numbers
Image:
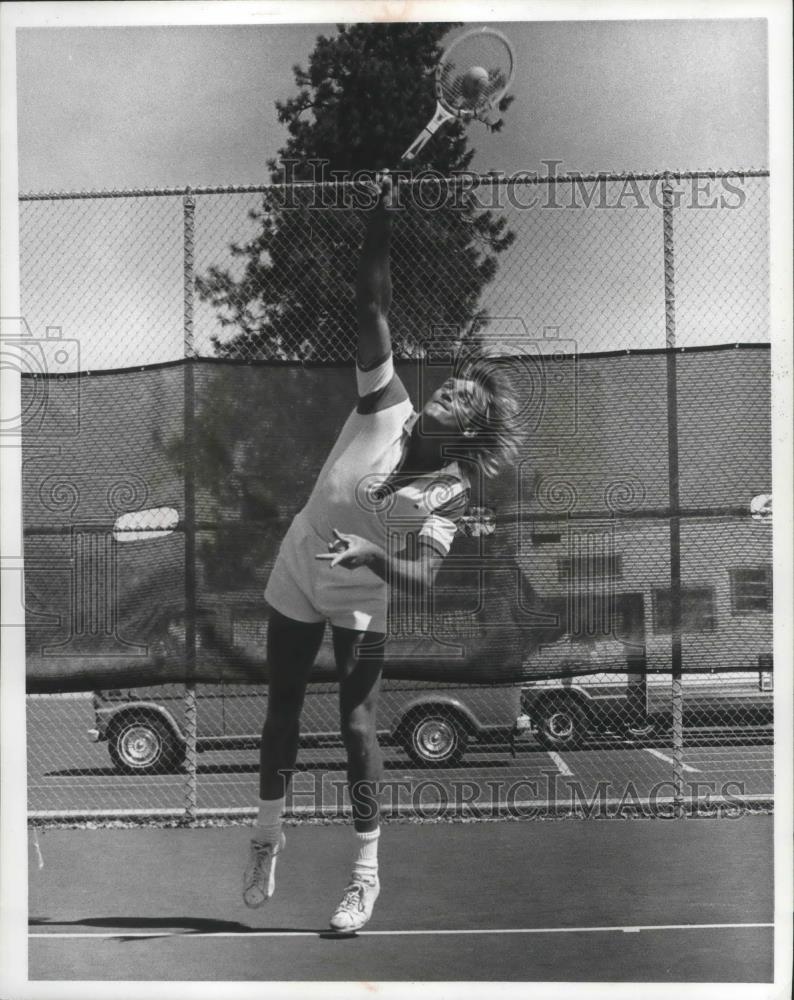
[{"x": 392, "y": 474}]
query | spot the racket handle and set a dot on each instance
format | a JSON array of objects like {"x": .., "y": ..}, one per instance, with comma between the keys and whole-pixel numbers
[
  {"x": 430, "y": 129},
  {"x": 417, "y": 145}
]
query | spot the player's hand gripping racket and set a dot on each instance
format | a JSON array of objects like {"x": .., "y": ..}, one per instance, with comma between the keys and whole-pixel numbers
[{"x": 472, "y": 76}]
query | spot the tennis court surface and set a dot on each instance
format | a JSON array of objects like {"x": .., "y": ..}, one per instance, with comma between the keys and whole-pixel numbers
[{"x": 687, "y": 900}]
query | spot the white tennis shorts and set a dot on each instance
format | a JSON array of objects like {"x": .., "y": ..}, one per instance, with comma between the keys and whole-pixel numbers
[{"x": 309, "y": 590}]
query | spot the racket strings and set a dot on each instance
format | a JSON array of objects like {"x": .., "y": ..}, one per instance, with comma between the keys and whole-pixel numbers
[{"x": 474, "y": 74}]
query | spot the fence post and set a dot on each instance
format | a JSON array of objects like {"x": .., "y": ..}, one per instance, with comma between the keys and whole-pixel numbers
[
  {"x": 191, "y": 785},
  {"x": 674, "y": 499}
]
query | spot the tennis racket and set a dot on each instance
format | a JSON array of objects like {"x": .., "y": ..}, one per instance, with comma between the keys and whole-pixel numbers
[{"x": 472, "y": 76}]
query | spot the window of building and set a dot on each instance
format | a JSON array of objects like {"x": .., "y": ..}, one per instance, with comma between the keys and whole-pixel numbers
[
  {"x": 751, "y": 590},
  {"x": 697, "y": 610}
]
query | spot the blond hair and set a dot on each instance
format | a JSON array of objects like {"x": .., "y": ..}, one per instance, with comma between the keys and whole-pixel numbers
[{"x": 495, "y": 440}]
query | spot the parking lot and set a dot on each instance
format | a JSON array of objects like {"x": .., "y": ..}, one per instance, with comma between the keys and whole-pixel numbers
[{"x": 67, "y": 773}]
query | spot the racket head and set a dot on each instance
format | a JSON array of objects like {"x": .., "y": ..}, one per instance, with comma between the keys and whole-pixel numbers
[{"x": 475, "y": 50}]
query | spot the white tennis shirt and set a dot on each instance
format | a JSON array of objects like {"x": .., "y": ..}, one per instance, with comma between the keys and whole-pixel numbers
[{"x": 369, "y": 448}]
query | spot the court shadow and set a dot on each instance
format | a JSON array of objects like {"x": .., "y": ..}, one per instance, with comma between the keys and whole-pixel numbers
[{"x": 187, "y": 925}]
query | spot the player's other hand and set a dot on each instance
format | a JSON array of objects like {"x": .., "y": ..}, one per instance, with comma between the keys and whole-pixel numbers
[
  {"x": 385, "y": 184},
  {"x": 350, "y": 551},
  {"x": 382, "y": 193}
]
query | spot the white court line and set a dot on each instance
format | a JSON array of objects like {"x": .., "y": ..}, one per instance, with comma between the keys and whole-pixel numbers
[
  {"x": 664, "y": 756},
  {"x": 562, "y": 767},
  {"x": 407, "y": 933}
]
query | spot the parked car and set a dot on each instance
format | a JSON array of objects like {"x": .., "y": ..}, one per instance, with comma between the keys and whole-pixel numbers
[{"x": 434, "y": 723}]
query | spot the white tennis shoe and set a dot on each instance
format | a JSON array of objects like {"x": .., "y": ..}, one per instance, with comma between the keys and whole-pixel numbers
[
  {"x": 357, "y": 903},
  {"x": 259, "y": 879}
]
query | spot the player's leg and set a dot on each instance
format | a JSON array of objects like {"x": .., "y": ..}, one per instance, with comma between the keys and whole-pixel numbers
[
  {"x": 359, "y": 661},
  {"x": 291, "y": 650},
  {"x": 359, "y": 664}
]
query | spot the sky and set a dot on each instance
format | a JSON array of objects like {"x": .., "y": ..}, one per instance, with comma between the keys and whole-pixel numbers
[{"x": 168, "y": 106}]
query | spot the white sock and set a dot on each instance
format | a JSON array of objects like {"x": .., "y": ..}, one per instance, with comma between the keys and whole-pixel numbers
[
  {"x": 366, "y": 862},
  {"x": 268, "y": 821}
]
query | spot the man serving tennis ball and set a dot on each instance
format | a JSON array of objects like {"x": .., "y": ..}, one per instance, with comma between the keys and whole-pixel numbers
[{"x": 390, "y": 474}]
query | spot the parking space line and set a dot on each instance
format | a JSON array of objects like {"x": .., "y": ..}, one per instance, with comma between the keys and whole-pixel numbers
[
  {"x": 562, "y": 767},
  {"x": 398, "y": 933},
  {"x": 726, "y": 758},
  {"x": 669, "y": 760}
]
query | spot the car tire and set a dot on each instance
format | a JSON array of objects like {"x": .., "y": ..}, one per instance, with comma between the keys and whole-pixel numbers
[
  {"x": 561, "y": 724},
  {"x": 144, "y": 744},
  {"x": 641, "y": 731},
  {"x": 435, "y": 738}
]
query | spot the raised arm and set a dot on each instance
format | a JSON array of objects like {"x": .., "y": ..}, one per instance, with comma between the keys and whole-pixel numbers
[{"x": 373, "y": 284}]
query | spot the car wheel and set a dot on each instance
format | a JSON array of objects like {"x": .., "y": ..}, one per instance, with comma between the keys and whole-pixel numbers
[
  {"x": 436, "y": 739},
  {"x": 143, "y": 745},
  {"x": 642, "y": 731},
  {"x": 561, "y": 724}
]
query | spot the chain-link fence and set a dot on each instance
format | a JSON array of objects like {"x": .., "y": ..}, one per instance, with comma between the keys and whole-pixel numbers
[{"x": 600, "y": 636}]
